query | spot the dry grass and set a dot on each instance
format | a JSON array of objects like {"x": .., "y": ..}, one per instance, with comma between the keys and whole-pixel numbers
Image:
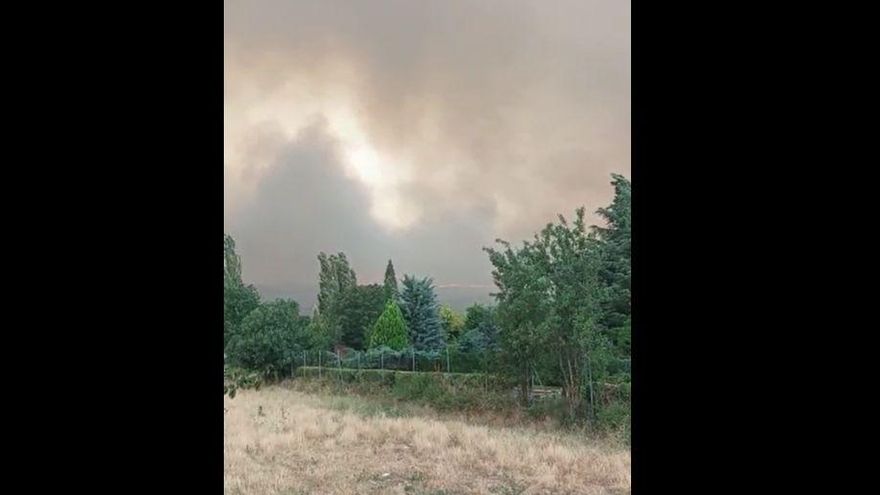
[{"x": 286, "y": 442}]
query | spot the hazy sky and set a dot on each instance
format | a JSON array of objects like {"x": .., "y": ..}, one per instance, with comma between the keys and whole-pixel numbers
[{"x": 415, "y": 130}]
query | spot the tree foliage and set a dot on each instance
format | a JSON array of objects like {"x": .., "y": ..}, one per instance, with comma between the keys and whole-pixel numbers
[
  {"x": 615, "y": 269},
  {"x": 269, "y": 338},
  {"x": 452, "y": 322},
  {"x": 521, "y": 311},
  {"x": 238, "y": 299},
  {"x": 334, "y": 278},
  {"x": 390, "y": 285},
  {"x": 481, "y": 319},
  {"x": 389, "y": 329},
  {"x": 566, "y": 293},
  {"x": 418, "y": 302},
  {"x": 548, "y": 292},
  {"x": 355, "y": 310}
]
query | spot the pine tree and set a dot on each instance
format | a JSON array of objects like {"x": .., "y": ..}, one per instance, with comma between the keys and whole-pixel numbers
[
  {"x": 390, "y": 329},
  {"x": 390, "y": 282},
  {"x": 421, "y": 313}
]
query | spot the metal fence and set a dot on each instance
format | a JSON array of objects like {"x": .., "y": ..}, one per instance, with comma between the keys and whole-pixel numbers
[{"x": 447, "y": 360}]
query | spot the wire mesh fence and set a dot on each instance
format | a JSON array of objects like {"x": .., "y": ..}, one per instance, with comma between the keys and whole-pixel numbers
[{"x": 446, "y": 360}]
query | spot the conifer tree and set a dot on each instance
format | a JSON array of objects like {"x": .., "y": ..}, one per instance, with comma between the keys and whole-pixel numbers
[
  {"x": 390, "y": 329},
  {"x": 421, "y": 313},
  {"x": 390, "y": 282}
]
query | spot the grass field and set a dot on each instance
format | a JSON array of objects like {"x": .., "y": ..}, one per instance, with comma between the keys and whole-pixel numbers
[{"x": 280, "y": 441}]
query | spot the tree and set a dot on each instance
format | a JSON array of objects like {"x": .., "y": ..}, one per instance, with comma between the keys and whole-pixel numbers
[
  {"x": 418, "y": 303},
  {"x": 452, "y": 322},
  {"x": 335, "y": 277},
  {"x": 481, "y": 319},
  {"x": 521, "y": 311},
  {"x": 615, "y": 273},
  {"x": 269, "y": 338},
  {"x": 549, "y": 291},
  {"x": 355, "y": 311},
  {"x": 389, "y": 329},
  {"x": 238, "y": 299},
  {"x": 390, "y": 282},
  {"x": 321, "y": 335}
]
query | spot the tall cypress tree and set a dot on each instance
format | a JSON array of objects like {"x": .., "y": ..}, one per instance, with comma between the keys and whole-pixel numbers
[
  {"x": 421, "y": 312},
  {"x": 390, "y": 282}
]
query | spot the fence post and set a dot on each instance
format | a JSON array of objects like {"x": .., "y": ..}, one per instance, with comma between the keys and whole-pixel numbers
[
  {"x": 447, "y": 359},
  {"x": 382, "y": 359},
  {"x": 590, "y": 377},
  {"x": 319, "y": 364},
  {"x": 414, "y": 358}
]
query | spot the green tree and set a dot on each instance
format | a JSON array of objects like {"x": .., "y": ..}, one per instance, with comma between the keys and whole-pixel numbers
[
  {"x": 269, "y": 338},
  {"x": 334, "y": 278},
  {"x": 238, "y": 299},
  {"x": 390, "y": 285},
  {"x": 556, "y": 277},
  {"x": 615, "y": 273},
  {"x": 355, "y": 310},
  {"x": 321, "y": 334},
  {"x": 521, "y": 312},
  {"x": 389, "y": 329},
  {"x": 452, "y": 322},
  {"x": 418, "y": 303},
  {"x": 481, "y": 319}
]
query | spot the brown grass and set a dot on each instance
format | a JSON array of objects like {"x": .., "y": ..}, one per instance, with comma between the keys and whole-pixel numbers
[{"x": 286, "y": 442}]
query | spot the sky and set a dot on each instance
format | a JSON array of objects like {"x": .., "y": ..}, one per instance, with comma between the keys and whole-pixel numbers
[{"x": 415, "y": 131}]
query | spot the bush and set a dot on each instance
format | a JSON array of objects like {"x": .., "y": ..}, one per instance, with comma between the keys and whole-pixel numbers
[{"x": 269, "y": 338}]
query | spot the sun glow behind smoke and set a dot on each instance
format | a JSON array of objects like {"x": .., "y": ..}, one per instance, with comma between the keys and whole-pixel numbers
[
  {"x": 290, "y": 110},
  {"x": 383, "y": 175}
]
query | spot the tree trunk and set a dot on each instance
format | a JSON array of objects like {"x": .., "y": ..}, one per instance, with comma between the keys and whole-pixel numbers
[{"x": 571, "y": 389}]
